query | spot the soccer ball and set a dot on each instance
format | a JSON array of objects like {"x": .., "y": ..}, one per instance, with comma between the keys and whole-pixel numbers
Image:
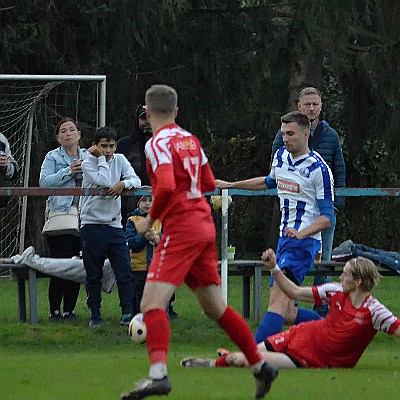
[{"x": 137, "y": 329}]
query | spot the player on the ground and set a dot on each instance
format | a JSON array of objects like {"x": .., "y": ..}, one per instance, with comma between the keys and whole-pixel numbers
[
  {"x": 180, "y": 173},
  {"x": 339, "y": 340}
]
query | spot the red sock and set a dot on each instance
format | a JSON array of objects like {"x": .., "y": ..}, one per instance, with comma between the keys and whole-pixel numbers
[
  {"x": 239, "y": 332},
  {"x": 221, "y": 362},
  {"x": 158, "y": 335}
]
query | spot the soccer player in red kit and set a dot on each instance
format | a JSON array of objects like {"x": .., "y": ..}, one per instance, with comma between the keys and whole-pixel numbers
[
  {"x": 339, "y": 340},
  {"x": 180, "y": 173}
]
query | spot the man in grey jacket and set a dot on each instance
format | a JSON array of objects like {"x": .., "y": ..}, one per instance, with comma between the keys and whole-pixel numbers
[
  {"x": 326, "y": 142},
  {"x": 101, "y": 229}
]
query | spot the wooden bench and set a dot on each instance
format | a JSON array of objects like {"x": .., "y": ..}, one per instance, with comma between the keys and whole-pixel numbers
[
  {"x": 252, "y": 272},
  {"x": 22, "y": 274}
]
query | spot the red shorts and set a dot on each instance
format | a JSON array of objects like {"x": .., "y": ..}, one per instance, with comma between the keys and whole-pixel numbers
[
  {"x": 179, "y": 259},
  {"x": 298, "y": 344}
]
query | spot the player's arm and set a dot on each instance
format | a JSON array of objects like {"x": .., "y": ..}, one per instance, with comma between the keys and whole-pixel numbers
[
  {"x": 165, "y": 189},
  {"x": 301, "y": 293},
  {"x": 207, "y": 178},
  {"x": 321, "y": 223},
  {"x": 258, "y": 183}
]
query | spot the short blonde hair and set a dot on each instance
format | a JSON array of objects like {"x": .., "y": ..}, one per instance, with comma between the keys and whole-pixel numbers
[
  {"x": 161, "y": 99},
  {"x": 364, "y": 269}
]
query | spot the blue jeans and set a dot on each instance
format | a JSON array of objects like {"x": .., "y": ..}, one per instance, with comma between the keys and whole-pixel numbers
[{"x": 98, "y": 242}]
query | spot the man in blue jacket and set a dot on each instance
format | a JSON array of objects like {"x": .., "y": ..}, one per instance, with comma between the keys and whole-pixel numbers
[{"x": 325, "y": 141}]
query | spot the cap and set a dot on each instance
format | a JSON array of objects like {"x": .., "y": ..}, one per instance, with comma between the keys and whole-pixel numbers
[{"x": 141, "y": 111}]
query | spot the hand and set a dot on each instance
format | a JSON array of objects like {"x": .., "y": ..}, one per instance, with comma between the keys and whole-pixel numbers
[
  {"x": 269, "y": 259},
  {"x": 3, "y": 162},
  {"x": 96, "y": 151},
  {"x": 150, "y": 235},
  {"x": 116, "y": 189},
  {"x": 156, "y": 240},
  {"x": 220, "y": 184},
  {"x": 293, "y": 233},
  {"x": 143, "y": 225},
  {"x": 76, "y": 166}
]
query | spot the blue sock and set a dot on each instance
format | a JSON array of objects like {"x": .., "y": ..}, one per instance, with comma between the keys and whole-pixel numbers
[
  {"x": 271, "y": 323},
  {"x": 306, "y": 315}
]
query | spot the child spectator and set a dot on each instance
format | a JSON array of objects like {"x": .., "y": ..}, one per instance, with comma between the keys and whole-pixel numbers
[
  {"x": 141, "y": 249},
  {"x": 101, "y": 229}
]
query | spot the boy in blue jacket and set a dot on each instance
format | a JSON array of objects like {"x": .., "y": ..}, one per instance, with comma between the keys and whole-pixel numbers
[{"x": 141, "y": 250}]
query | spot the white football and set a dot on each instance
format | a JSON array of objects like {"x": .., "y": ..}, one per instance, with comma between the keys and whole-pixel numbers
[{"x": 137, "y": 329}]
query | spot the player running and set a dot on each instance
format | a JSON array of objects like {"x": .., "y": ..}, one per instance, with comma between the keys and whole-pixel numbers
[{"x": 180, "y": 173}]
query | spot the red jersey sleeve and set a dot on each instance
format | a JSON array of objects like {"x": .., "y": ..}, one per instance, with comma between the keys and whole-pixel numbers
[
  {"x": 207, "y": 179},
  {"x": 164, "y": 189}
]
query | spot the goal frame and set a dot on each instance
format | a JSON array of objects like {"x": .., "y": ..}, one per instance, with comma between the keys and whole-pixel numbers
[{"x": 102, "y": 79}]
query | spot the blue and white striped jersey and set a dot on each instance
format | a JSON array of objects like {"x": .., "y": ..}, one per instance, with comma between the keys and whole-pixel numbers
[{"x": 302, "y": 184}]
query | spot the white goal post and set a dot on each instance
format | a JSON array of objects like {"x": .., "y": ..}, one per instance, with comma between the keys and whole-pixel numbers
[{"x": 27, "y": 101}]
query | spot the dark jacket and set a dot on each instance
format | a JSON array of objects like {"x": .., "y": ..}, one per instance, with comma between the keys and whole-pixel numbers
[
  {"x": 140, "y": 249},
  {"x": 132, "y": 147},
  {"x": 325, "y": 141}
]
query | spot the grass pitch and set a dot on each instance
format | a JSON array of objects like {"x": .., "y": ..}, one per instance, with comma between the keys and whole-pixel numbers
[{"x": 67, "y": 361}]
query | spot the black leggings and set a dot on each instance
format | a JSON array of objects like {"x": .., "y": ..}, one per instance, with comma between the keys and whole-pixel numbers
[{"x": 63, "y": 246}]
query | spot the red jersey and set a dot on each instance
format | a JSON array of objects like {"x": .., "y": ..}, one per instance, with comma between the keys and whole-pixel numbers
[
  {"x": 180, "y": 173},
  {"x": 340, "y": 339}
]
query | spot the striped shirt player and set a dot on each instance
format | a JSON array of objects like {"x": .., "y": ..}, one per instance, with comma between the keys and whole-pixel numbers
[
  {"x": 305, "y": 190},
  {"x": 339, "y": 340}
]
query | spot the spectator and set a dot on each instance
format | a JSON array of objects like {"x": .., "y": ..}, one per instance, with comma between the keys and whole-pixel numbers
[
  {"x": 8, "y": 167},
  {"x": 339, "y": 340},
  {"x": 141, "y": 247},
  {"x": 326, "y": 142},
  {"x": 101, "y": 229},
  {"x": 141, "y": 251},
  {"x": 180, "y": 174},
  {"x": 305, "y": 190},
  {"x": 132, "y": 147},
  {"x": 62, "y": 168}
]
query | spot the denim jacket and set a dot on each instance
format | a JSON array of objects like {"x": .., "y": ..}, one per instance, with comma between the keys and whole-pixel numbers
[{"x": 56, "y": 172}]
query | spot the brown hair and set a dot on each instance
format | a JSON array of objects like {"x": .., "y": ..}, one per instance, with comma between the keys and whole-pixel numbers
[
  {"x": 161, "y": 99},
  {"x": 66, "y": 119},
  {"x": 298, "y": 117},
  {"x": 364, "y": 269}
]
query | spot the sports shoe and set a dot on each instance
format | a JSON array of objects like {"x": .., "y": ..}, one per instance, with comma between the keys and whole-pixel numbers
[
  {"x": 55, "y": 317},
  {"x": 195, "y": 362},
  {"x": 95, "y": 323},
  {"x": 222, "y": 352},
  {"x": 126, "y": 319},
  {"x": 263, "y": 380},
  {"x": 343, "y": 252},
  {"x": 149, "y": 387},
  {"x": 172, "y": 315},
  {"x": 68, "y": 315}
]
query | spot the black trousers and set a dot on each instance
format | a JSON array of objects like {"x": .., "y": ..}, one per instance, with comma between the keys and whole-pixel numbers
[{"x": 63, "y": 246}]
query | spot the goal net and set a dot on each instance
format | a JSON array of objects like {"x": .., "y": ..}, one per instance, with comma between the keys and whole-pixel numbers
[{"x": 30, "y": 108}]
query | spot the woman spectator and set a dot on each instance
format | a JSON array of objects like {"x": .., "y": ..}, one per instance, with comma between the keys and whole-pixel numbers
[{"x": 62, "y": 168}]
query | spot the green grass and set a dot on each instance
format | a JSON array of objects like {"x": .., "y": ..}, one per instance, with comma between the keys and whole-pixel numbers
[{"x": 68, "y": 361}]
